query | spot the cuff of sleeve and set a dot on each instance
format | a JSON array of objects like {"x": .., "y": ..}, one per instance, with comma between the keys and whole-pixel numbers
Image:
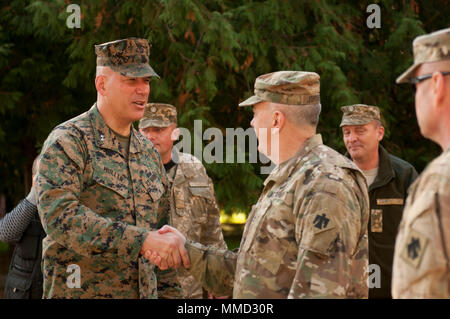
[
  {"x": 31, "y": 197},
  {"x": 132, "y": 240}
]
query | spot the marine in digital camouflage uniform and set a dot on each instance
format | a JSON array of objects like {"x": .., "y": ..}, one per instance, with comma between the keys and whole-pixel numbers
[
  {"x": 100, "y": 194},
  {"x": 388, "y": 178},
  {"x": 306, "y": 237},
  {"x": 194, "y": 211},
  {"x": 421, "y": 259}
]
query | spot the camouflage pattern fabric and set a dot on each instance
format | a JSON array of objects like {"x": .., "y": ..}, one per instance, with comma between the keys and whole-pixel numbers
[
  {"x": 286, "y": 87},
  {"x": 359, "y": 114},
  {"x": 158, "y": 115},
  {"x": 129, "y": 57},
  {"x": 306, "y": 237},
  {"x": 194, "y": 212},
  {"x": 428, "y": 48},
  {"x": 97, "y": 215},
  {"x": 421, "y": 259}
]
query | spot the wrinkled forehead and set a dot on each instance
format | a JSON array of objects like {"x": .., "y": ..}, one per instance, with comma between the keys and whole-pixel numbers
[
  {"x": 159, "y": 128},
  {"x": 373, "y": 123},
  {"x": 430, "y": 67}
]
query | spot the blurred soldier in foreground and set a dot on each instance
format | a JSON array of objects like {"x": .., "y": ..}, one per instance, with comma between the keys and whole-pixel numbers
[
  {"x": 306, "y": 237},
  {"x": 103, "y": 190},
  {"x": 421, "y": 261},
  {"x": 194, "y": 211},
  {"x": 388, "y": 178}
]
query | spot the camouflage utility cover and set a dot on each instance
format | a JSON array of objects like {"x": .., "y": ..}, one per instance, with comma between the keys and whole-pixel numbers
[
  {"x": 306, "y": 237},
  {"x": 158, "y": 115},
  {"x": 359, "y": 114},
  {"x": 428, "y": 48},
  {"x": 194, "y": 212},
  {"x": 97, "y": 209},
  {"x": 129, "y": 57},
  {"x": 422, "y": 249},
  {"x": 286, "y": 87}
]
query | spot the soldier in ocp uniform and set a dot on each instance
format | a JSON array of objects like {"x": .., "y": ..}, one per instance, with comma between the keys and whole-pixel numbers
[
  {"x": 194, "y": 211},
  {"x": 103, "y": 190},
  {"x": 422, "y": 249},
  {"x": 388, "y": 178},
  {"x": 306, "y": 237}
]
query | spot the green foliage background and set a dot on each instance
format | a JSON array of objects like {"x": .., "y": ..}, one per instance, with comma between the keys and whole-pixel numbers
[{"x": 208, "y": 54}]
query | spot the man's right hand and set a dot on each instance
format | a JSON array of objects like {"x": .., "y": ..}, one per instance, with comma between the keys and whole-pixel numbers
[{"x": 166, "y": 249}]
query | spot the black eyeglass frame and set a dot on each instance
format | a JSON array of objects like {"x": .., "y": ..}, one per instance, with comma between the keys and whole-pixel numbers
[{"x": 416, "y": 80}]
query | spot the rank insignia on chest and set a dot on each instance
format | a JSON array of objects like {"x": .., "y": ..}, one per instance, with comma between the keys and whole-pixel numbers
[
  {"x": 376, "y": 220},
  {"x": 414, "y": 248}
]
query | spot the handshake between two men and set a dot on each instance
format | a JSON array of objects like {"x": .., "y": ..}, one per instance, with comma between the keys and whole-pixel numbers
[{"x": 165, "y": 248}]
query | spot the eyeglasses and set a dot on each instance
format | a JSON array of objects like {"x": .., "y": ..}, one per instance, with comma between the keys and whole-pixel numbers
[{"x": 416, "y": 80}]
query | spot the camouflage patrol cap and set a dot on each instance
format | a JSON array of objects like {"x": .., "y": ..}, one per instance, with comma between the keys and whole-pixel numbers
[
  {"x": 158, "y": 115},
  {"x": 286, "y": 87},
  {"x": 359, "y": 114},
  {"x": 129, "y": 57},
  {"x": 427, "y": 48}
]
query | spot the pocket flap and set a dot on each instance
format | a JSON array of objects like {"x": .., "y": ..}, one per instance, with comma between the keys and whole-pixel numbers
[
  {"x": 110, "y": 179},
  {"x": 17, "y": 281},
  {"x": 155, "y": 189}
]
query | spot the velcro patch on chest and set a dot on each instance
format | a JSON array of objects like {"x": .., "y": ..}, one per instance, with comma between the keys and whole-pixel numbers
[
  {"x": 390, "y": 201},
  {"x": 376, "y": 220}
]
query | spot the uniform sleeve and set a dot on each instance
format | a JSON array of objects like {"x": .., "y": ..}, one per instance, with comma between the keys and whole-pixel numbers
[
  {"x": 64, "y": 218},
  {"x": 211, "y": 232},
  {"x": 330, "y": 258},
  {"x": 13, "y": 224},
  {"x": 168, "y": 285},
  {"x": 213, "y": 268}
]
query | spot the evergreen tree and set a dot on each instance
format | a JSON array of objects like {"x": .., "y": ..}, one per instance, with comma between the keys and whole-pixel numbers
[{"x": 208, "y": 54}]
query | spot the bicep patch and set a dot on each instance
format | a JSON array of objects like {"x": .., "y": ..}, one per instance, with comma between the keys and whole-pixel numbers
[{"x": 319, "y": 232}]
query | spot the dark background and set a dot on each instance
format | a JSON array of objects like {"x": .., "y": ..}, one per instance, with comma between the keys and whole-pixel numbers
[{"x": 208, "y": 54}]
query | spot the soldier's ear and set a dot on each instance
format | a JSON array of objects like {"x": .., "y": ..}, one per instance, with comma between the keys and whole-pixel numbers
[
  {"x": 278, "y": 119},
  {"x": 380, "y": 133},
  {"x": 100, "y": 84},
  {"x": 175, "y": 134},
  {"x": 439, "y": 88}
]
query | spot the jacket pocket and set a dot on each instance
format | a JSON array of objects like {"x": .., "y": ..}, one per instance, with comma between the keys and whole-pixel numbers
[
  {"x": 200, "y": 189},
  {"x": 19, "y": 280},
  {"x": 154, "y": 187},
  {"x": 112, "y": 179}
]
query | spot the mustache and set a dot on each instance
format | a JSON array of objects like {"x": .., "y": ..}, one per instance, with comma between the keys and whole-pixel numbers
[{"x": 354, "y": 145}]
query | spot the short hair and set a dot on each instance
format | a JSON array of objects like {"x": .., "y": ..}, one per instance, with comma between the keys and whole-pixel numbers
[
  {"x": 101, "y": 70},
  {"x": 300, "y": 114}
]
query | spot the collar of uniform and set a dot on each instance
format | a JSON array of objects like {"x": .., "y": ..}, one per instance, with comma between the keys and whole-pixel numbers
[
  {"x": 385, "y": 171},
  {"x": 179, "y": 174},
  {"x": 105, "y": 137},
  {"x": 283, "y": 170},
  {"x": 136, "y": 141}
]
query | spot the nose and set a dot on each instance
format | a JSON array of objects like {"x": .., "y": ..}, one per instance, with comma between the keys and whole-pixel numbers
[
  {"x": 143, "y": 88},
  {"x": 352, "y": 137},
  {"x": 252, "y": 122}
]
